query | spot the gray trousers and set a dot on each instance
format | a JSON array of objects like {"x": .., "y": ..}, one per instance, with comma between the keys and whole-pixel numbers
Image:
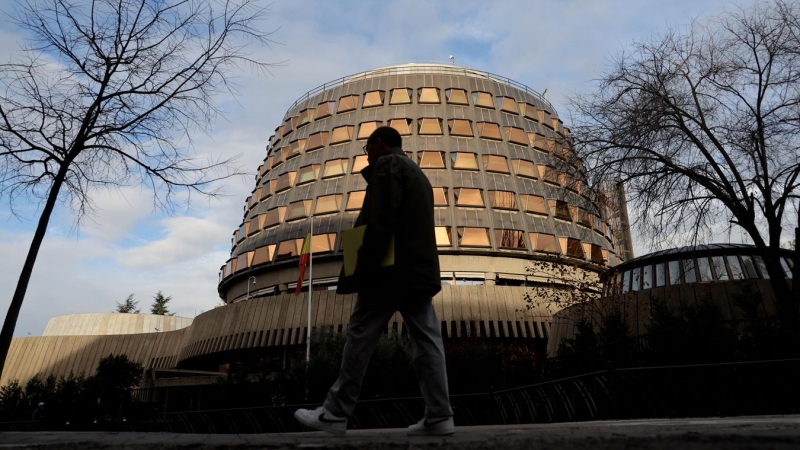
[{"x": 368, "y": 320}]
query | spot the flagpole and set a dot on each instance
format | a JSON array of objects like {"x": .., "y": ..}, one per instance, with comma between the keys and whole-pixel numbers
[{"x": 310, "y": 288}]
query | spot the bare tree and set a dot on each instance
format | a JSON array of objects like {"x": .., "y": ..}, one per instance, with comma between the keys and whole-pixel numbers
[
  {"x": 108, "y": 94},
  {"x": 701, "y": 124}
]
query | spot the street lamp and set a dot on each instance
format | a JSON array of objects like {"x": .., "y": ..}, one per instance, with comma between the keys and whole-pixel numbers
[{"x": 248, "y": 287}]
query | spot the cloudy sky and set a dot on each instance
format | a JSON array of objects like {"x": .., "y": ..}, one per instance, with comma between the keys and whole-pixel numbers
[{"x": 127, "y": 247}]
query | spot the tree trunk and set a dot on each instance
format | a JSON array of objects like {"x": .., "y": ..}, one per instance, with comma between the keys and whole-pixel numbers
[
  {"x": 27, "y": 269},
  {"x": 784, "y": 300},
  {"x": 796, "y": 268}
]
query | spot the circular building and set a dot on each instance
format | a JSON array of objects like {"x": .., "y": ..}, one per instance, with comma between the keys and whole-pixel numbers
[
  {"x": 721, "y": 274},
  {"x": 507, "y": 191}
]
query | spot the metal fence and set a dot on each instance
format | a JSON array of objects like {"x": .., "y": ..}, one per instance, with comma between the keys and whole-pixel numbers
[
  {"x": 758, "y": 387},
  {"x": 422, "y": 68}
]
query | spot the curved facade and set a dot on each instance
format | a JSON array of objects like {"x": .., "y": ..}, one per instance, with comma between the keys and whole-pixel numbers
[
  {"x": 505, "y": 182},
  {"x": 94, "y": 324},
  {"x": 719, "y": 273}
]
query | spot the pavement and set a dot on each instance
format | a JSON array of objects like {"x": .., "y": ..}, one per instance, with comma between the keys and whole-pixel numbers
[{"x": 761, "y": 432}]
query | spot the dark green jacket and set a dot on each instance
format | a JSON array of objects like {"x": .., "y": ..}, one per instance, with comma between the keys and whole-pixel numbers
[{"x": 399, "y": 203}]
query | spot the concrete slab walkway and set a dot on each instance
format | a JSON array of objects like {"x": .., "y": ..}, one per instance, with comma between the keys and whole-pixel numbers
[{"x": 761, "y": 432}]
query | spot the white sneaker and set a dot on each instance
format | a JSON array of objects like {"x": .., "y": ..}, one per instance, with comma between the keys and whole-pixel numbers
[
  {"x": 321, "y": 419},
  {"x": 441, "y": 426}
]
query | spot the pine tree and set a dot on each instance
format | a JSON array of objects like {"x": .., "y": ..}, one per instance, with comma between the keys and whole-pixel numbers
[
  {"x": 129, "y": 306},
  {"x": 159, "y": 306}
]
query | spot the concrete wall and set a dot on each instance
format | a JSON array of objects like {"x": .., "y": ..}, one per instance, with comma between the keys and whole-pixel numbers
[
  {"x": 100, "y": 324},
  {"x": 268, "y": 322}
]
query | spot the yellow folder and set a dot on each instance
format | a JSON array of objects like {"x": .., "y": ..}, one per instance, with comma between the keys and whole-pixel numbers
[{"x": 351, "y": 242}]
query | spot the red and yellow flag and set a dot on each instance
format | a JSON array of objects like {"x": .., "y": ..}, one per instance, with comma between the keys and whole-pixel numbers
[{"x": 305, "y": 256}]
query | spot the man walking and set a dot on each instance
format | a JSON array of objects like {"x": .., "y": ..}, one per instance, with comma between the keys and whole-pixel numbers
[{"x": 399, "y": 204}]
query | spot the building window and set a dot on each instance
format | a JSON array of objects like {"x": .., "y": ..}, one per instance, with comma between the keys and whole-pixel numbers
[
  {"x": 431, "y": 160},
  {"x": 473, "y": 237},
  {"x": 400, "y": 96},
  {"x": 440, "y": 196},
  {"x": 689, "y": 275},
  {"x": 646, "y": 275},
  {"x": 718, "y": 263},
  {"x": 523, "y": 168},
  {"x": 328, "y": 204},
  {"x": 787, "y": 266},
  {"x": 537, "y": 141},
  {"x": 749, "y": 267},
  {"x": 359, "y": 162},
  {"x": 626, "y": 281},
  {"x": 298, "y": 210},
  {"x": 285, "y": 181},
  {"x": 289, "y": 248},
  {"x": 510, "y": 239},
  {"x": 674, "y": 273},
  {"x": 543, "y": 242},
  {"x": 325, "y": 109},
  {"x": 264, "y": 254},
  {"x": 494, "y": 163},
  {"x": 289, "y": 125},
  {"x": 306, "y": 117},
  {"x": 443, "y": 236},
  {"x": 549, "y": 174},
  {"x": 459, "y": 127},
  {"x": 429, "y": 126},
  {"x": 342, "y": 134},
  {"x": 335, "y": 168},
  {"x": 704, "y": 268},
  {"x": 295, "y": 148},
  {"x": 428, "y": 95},
  {"x": 373, "y": 98},
  {"x": 584, "y": 218},
  {"x": 533, "y": 204},
  {"x": 403, "y": 126},
  {"x": 456, "y": 96},
  {"x": 355, "y": 200},
  {"x": 482, "y": 99},
  {"x": 528, "y": 111},
  {"x": 347, "y": 103},
  {"x": 323, "y": 243},
  {"x": 307, "y": 174},
  {"x": 365, "y": 129},
  {"x": 488, "y": 130},
  {"x": 636, "y": 278},
  {"x": 736, "y": 268},
  {"x": 598, "y": 258},
  {"x": 464, "y": 161},
  {"x": 317, "y": 140},
  {"x": 515, "y": 135},
  {"x": 574, "y": 248},
  {"x": 502, "y": 200},
  {"x": 762, "y": 267},
  {"x": 560, "y": 209},
  {"x": 660, "y": 276},
  {"x": 507, "y": 104},
  {"x": 468, "y": 197}
]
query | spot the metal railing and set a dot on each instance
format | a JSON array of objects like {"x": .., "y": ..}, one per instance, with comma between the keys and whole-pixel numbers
[
  {"x": 724, "y": 389},
  {"x": 416, "y": 68}
]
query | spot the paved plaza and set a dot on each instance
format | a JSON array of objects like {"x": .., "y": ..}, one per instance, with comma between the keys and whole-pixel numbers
[{"x": 764, "y": 432}]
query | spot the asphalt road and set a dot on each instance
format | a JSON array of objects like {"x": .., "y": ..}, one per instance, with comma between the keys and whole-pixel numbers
[{"x": 762, "y": 432}]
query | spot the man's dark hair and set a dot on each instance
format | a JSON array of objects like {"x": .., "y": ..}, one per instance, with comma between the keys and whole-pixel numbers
[{"x": 388, "y": 136}]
